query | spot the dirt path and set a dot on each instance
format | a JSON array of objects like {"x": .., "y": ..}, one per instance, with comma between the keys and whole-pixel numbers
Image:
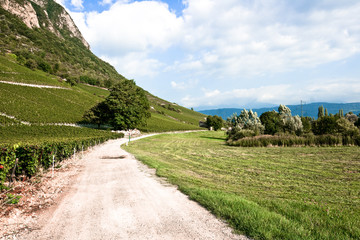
[{"x": 117, "y": 197}]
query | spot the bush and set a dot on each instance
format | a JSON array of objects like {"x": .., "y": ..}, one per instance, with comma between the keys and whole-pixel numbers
[
  {"x": 44, "y": 66},
  {"x": 237, "y": 133},
  {"x": 33, "y": 157},
  {"x": 291, "y": 140},
  {"x": 214, "y": 121}
]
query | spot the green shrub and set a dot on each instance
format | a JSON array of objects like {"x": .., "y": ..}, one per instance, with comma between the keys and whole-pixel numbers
[{"x": 291, "y": 140}]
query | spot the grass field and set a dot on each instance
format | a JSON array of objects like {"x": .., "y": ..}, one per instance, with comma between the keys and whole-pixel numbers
[{"x": 264, "y": 193}]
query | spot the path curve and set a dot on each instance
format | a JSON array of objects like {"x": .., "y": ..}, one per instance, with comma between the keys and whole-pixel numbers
[{"x": 117, "y": 197}]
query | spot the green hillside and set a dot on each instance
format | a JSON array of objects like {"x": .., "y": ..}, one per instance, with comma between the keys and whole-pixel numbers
[
  {"x": 38, "y": 48},
  {"x": 55, "y": 55},
  {"x": 67, "y": 105}
]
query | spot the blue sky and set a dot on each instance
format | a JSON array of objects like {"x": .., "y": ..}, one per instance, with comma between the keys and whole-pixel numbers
[{"x": 229, "y": 53}]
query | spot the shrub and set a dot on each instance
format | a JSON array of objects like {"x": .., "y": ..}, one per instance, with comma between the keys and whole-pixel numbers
[
  {"x": 214, "y": 121},
  {"x": 32, "y": 157}
]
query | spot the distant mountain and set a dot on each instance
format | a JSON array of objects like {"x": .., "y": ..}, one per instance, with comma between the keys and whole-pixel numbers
[{"x": 308, "y": 110}]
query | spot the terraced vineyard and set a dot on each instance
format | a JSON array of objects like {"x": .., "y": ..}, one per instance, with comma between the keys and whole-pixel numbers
[{"x": 48, "y": 105}]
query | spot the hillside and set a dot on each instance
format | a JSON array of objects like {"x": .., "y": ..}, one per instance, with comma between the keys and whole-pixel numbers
[
  {"x": 41, "y": 45},
  {"x": 308, "y": 110},
  {"x": 62, "y": 103},
  {"x": 42, "y": 35}
]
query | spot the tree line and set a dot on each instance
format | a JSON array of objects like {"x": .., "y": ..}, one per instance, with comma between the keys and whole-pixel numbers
[{"x": 282, "y": 123}]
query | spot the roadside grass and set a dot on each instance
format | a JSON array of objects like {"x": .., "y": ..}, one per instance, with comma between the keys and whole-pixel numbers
[{"x": 264, "y": 193}]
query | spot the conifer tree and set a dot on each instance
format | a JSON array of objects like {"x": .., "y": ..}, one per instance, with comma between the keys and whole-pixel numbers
[{"x": 321, "y": 112}]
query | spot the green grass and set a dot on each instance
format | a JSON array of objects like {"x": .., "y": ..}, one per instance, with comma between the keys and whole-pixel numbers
[
  {"x": 21, "y": 134},
  {"x": 265, "y": 193}
]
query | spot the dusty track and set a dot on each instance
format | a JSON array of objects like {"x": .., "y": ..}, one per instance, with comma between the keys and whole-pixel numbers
[{"x": 116, "y": 197}]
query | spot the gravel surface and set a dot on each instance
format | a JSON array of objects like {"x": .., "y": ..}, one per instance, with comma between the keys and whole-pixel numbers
[{"x": 115, "y": 196}]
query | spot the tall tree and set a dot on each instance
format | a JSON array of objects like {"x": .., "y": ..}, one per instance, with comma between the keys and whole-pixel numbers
[
  {"x": 321, "y": 112},
  {"x": 127, "y": 107}
]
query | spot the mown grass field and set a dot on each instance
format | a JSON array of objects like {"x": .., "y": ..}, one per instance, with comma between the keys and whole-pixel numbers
[{"x": 264, "y": 193}]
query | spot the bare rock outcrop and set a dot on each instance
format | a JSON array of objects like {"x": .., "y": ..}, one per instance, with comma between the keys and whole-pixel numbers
[{"x": 27, "y": 13}]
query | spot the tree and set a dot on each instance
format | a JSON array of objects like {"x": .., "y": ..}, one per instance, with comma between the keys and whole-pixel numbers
[
  {"x": 127, "y": 107},
  {"x": 288, "y": 123},
  {"x": 321, "y": 112},
  {"x": 271, "y": 122},
  {"x": 99, "y": 114},
  {"x": 306, "y": 122},
  {"x": 341, "y": 113},
  {"x": 324, "y": 125},
  {"x": 247, "y": 120},
  {"x": 214, "y": 121}
]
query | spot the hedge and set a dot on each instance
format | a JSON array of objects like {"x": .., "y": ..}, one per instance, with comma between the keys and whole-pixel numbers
[
  {"x": 32, "y": 157},
  {"x": 289, "y": 140}
]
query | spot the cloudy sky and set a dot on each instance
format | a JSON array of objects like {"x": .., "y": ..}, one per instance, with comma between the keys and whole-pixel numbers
[{"x": 229, "y": 53}]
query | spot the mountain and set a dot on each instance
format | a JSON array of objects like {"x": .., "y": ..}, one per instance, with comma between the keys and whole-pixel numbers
[
  {"x": 41, "y": 34},
  {"x": 306, "y": 110},
  {"x": 40, "y": 46}
]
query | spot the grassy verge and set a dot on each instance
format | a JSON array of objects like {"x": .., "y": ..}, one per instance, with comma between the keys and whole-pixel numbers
[{"x": 265, "y": 193}]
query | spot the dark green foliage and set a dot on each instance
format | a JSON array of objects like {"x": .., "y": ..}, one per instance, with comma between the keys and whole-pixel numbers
[
  {"x": 89, "y": 80},
  {"x": 271, "y": 122},
  {"x": 44, "y": 66},
  {"x": 127, "y": 107},
  {"x": 99, "y": 114},
  {"x": 236, "y": 133},
  {"x": 306, "y": 122},
  {"x": 291, "y": 140},
  {"x": 321, "y": 112},
  {"x": 30, "y": 63},
  {"x": 357, "y": 123},
  {"x": 214, "y": 121},
  {"x": 324, "y": 125}
]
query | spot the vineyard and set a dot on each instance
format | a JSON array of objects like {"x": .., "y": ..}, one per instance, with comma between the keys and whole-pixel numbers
[
  {"x": 13, "y": 72},
  {"x": 26, "y": 149}
]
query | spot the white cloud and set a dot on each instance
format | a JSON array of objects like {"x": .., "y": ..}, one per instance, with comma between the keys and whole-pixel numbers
[
  {"x": 266, "y": 36},
  {"x": 134, "y": 27},
  {"x": 184, "y": 85},
  {"x": 78, "y": 4},
  {"x": 135, "y": 65}
]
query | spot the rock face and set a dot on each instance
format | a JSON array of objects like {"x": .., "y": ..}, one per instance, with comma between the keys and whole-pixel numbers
[
  {"x": 25, "y": 12},
  {"x": 60, "y": 20}
]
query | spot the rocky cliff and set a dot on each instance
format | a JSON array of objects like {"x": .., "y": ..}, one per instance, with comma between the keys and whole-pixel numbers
[{"x": 44, "y": 14}]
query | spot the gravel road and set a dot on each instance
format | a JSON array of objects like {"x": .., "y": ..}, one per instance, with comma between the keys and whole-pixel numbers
[{"x": 117, "y": 197}]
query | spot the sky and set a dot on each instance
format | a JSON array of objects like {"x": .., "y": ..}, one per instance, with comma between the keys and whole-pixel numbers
[{"x": 210, "y": 54}]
